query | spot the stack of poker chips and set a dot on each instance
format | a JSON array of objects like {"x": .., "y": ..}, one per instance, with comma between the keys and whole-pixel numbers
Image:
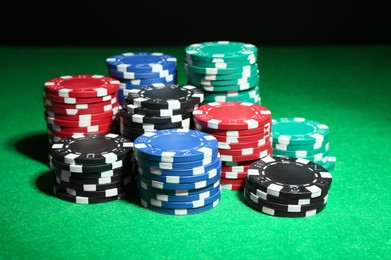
[
  {"x": 84, "y": 104},
  {"x": 243, "y": 133},
  {"x": 136, "y": 69},
  {"x": 157, "y": 107},
  {"x": 92, "y": 168},
  {"x": 224, "y": 70},
  {"x": 178, "y": 171},
  {"x": 285, "y": 186},
  {"x": 303, "y": 138}
]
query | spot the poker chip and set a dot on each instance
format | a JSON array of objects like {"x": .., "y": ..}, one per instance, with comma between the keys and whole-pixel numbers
[
  {"x": 141, "y": 62},
  {"x": 176, "y": 145},
  {"x": 169, "y": 96},
  {"x": 92, "y": 149},
  {"x": 180, "y": 211},
  {"x": 232, "y": 115},
  {"x": 289, "y": 177},
  {"x": 82, "y": 86},
  {"x": 221, "y": 51}
]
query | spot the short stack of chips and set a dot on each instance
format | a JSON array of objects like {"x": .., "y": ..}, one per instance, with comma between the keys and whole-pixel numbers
[
  {"x": 224, "y": 70},
  {"x": 178, "y": 171},
  {"x": 136, "y": 69},
  {"x": 157, "y": 107},
  {"x": 243, "y": 132},
  {"x": 93, "y": 168},
  {"x": 303, "y": 138},
  {"x": 285, "y": 186},
  {"x": 85, "y": 104}
]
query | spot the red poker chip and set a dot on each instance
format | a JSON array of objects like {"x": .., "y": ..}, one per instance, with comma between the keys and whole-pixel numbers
[
  {"x": 82, "y": 86},
  {"x": 233, "y": 175},
  {"x": 85, "y": 117},
  {"x": 232, "y": 181},
  {"x": 232, "y": 187},
  {"x": 71, "y": 100},
  {"x": 245, "y": 151},
  {"x": 232, "y": 115},
  {"x": 50, "y": 103},
  {"x": 229, "y": 146},
  {"x": 234, "y": 133},
  {"x": 236, "y": 168},
  {"x": 242, "y": 139},
  {"x": 88, "y": 129},
  {"x": 73, "y": 112},
  {"x": 241, "y": 158},
  {"x": 80, "y": 123}
]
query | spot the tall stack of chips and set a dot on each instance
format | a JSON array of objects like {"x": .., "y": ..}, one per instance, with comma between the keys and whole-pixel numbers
[
  {"x": 80, "y": 104},
  {"x": 224, "y": 70},
  {"x": 136, "y": 69},
  {"x": 243, "y": 133},
  {"x": 157, "y": 107},
  {"x": 178, "y": 171},
  {"x": 303, "y": 138}
]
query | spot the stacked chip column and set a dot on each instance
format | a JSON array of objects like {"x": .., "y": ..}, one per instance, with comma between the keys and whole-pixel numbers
[
  {"x": 243, "y": 133},
  {"x": 224, "y": 70}
]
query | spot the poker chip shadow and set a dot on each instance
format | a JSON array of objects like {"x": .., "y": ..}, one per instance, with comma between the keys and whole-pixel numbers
[
  {"x": 44, "y": 182},
  {"x": 34, "y": 146}
]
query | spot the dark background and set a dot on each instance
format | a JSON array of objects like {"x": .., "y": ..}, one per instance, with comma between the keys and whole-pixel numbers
[{"x": 184, "y": 22}]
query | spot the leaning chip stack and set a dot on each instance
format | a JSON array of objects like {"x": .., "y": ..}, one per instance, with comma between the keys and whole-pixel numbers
[
  {"x": 93, "y": 168},
  {"x": 136, "y": 69},
  {"x": 80, "y": 104},
  {"x": 303, "y": 138},
  {"x": 178, "y": 171},
  {"x": 157, "y": 107},
  {"x": 285, "y": 186},
  {"x": 243, "y": 133},
  {"x": 224, "y": 70}
]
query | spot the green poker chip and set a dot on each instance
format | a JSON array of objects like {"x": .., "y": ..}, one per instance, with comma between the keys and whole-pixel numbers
[
  {"x": 217, "y": 83},
  {"x": 221, "y": 65},
  {"x": 215, "y": 71},
  {"x": 232, "y": 95},
  {"x": 244, "y": 86},
  {"x": 221, "y": 51},
  {"x": 201, "y": 76},
  {"x": 297, "y": 130}
]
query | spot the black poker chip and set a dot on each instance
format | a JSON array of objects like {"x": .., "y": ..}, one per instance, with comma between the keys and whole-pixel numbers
[
  {"x": 289, "y": 177},
  {"x": 156, "y": 112},
  {"x": 139, "y": 118},
  {"x": 92, "y": 149},
  {"x": 167, "y": 96},
  {"x": 94, "y": 187},
  {"x": 185, "y": 123}
]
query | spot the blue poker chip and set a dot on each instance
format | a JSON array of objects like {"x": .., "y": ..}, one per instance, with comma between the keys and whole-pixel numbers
[
  {"x": 141, "y": 75},
  {"x": 180, "y": 186},
  {"x": 183, "y": 179},
  {"x": 177, "y": 193},
  {"x": 182, "y": 204},
  {"x": 174, "y": 198},
  {"x": 147, "y": 205},
  {"x": 179, "y": 172},
  {"x": 175, "y": 165},
  {"x": 142, "y": 62},
  {"x": 143, "y": 82},
  {"x": 176, "y": 145}
]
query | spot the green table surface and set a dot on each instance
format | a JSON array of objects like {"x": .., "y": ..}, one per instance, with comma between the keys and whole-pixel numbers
[{"x": 346, "y": 87}]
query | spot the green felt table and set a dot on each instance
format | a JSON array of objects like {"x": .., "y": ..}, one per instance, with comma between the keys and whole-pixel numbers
[{"x": 346, "y": 87}]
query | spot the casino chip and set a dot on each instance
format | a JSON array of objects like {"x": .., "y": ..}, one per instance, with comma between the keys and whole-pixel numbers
[
  {"x": 303, "y": 138},
  {"x": 179, "y": 171},
  {"x": 242, "y": 130},
  {"x": 224, "y": 70},
  {"x": 287, "y": 186},
  {"x": 136, "y": 69},
  {"x": 158, "y": 107},
  {"x": 93, "y": 168}
]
